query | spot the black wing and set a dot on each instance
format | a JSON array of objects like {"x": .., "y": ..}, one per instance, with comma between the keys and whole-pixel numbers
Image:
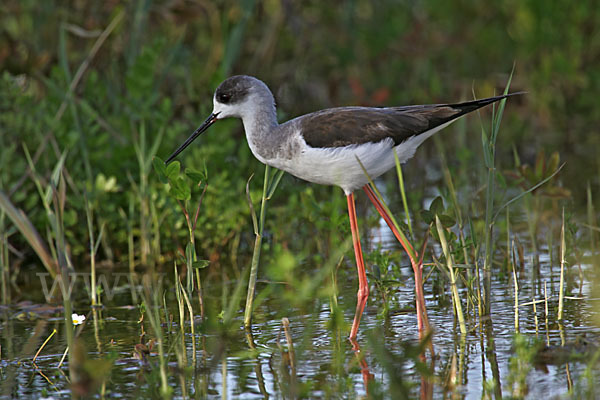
[{"x": 338, "y": 127}]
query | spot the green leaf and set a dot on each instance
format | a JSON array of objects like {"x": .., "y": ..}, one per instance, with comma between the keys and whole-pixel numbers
[
  {"x": 498, "y": 115},
  {"x": 274, "y": 182},
  {"x": 485, "y": 144},
  {"x": 195, "y": 176},
  {"x": 173, "y": 169},
  {"x": 180, "y": 189},
  {"x": 437, "y": 206},
  {"x": 160, "y": 168},
  {"x": 474, "y": 237},
  {"x": 199, "y": 264},
  {"x": 446, "y": 220},
  {"x": 427, "y": 216},
  {"x": 54, "y": 181}
]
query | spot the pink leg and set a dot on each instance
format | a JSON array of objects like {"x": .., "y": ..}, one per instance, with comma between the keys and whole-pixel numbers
[
  {"x": 364, "y": 367},
  {"x": 422, "y": 320},
  {"x": 363, "y": 287}
]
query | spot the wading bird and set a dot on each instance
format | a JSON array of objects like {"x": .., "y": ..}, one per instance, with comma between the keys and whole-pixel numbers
[{"x": 329, "y": 146}]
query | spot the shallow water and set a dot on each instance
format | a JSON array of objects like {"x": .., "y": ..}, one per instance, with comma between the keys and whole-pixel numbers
[{"x": 325, "y": 364}]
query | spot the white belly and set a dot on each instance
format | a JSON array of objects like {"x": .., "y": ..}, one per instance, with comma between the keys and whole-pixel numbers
[{"x": 339, "y": 165}]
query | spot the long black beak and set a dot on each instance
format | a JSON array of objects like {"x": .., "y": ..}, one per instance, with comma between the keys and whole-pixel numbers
[{"x": 205, "y": 125}]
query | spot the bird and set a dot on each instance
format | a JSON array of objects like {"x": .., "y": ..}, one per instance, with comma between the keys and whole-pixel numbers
[{"x": 333, "y": 146}]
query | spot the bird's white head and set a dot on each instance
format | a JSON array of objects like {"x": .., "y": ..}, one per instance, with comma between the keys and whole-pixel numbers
[{"x": 240, "y": 96}]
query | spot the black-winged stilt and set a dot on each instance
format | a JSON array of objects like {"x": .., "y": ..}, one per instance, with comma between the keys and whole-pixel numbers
[{"x": 325, "y": 146}]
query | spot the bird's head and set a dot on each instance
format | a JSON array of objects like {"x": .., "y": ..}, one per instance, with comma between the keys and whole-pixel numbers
[{"x": 237, "y": 96}]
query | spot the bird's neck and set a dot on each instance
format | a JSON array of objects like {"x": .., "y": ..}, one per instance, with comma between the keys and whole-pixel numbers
[{"x": 260, "y": 125}]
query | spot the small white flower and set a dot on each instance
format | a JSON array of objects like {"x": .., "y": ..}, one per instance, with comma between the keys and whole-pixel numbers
[{"x": 77, "y": 319}]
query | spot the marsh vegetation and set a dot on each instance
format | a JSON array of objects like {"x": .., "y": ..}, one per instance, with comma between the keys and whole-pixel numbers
[{"x": 123, "y": 277}]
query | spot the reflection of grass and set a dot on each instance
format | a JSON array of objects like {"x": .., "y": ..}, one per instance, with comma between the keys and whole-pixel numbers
[
  {"x": 151, "y": 296},
  {"x": 519, "y": 366}
]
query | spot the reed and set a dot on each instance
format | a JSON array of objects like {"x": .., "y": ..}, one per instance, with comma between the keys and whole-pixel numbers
[
  {"x": 181, "y": 311},
  {"x": 93, "y": 244},
  {"x": 188, "y": 304},
  {"x": 452, "y": 274},
  {"x": 516, "y": 285},
  {"x": 591, "y": 218},
  {"x": 145, "y": 155},
  {"x": 270, "y": 182},
  {"x": 192, "y": 261},
  {"x": 561, "y": 286},
  {"x": 460, "y": 220},
  {"x": 30, "y": 233},
  {"x": 489, "y": 153},
  {"x": 403, "y": 194},
  {"x": 546, "y": 313},
  {"x": 43, "y": 345}
]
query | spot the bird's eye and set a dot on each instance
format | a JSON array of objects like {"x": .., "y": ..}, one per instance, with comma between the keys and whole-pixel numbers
[{"x": 224, "y": 97}]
